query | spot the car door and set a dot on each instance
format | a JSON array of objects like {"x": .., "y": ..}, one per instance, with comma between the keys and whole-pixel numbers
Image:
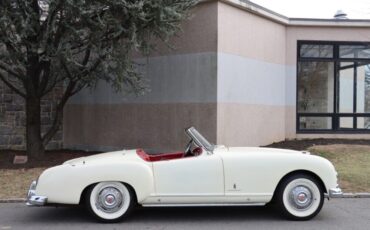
[{"x": 191, "y": 179}]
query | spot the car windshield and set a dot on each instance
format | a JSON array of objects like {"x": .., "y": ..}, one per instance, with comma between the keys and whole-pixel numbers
[{"x": 199, "y": 139}]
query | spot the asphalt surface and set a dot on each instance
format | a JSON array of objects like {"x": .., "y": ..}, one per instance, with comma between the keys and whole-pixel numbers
[{"x": 349, "y": 214}]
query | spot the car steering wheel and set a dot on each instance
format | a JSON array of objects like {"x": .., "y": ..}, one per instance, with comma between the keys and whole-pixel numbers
[{"x": 188, "y": 149}]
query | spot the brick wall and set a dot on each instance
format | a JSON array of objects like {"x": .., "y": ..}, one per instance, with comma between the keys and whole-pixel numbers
[{"x": 13, "y": 119}]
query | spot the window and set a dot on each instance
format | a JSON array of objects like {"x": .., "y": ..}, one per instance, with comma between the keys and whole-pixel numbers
[{"x": 333, "y": 87}]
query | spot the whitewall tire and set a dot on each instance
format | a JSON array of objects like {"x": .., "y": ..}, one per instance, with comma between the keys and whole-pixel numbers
[
  {"x": 300, "y": 197},
  {"x": 109, "y": 201}
]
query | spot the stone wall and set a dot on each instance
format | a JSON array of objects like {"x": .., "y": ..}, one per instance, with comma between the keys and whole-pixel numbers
[{"x": 13, "y": 119}]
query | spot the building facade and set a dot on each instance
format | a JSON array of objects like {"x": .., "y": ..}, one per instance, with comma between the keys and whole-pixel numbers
[{"x": 242, "y": 75}]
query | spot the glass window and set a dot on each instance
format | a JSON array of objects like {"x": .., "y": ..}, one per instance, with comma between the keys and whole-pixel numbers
[
  {"x": 345, "y": 83},
  {"x": 346, "y": 122},
  {"x": 363, "y": 88},
  {"x": 315, "y": 87},
  {"x": 313, "y": 123},
  {"x": 354, "y": 51},
  {"x": 316, "y": 51},
  {"x": 333, "y": 87},
  {"x": 363, "y": 123}
]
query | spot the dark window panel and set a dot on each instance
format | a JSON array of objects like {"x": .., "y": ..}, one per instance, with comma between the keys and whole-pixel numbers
[
  {"x": 333, "y": 87},
  {"x": 363, "y": 88},
  {"x": 354, "y": 51},
  {"x": 316, "y": 51},
  {"x": 315, "y": 123},
  {"x": 345, "y": 87},
  {"x": 315, "y": 87}
]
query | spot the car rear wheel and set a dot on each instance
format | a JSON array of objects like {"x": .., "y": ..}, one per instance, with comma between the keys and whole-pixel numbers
[
  {"x": 300, "y": 197},
  {"x": 109, "y": 201}
]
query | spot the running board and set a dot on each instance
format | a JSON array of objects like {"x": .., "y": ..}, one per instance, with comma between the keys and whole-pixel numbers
[{"x": 203, "y": 205}]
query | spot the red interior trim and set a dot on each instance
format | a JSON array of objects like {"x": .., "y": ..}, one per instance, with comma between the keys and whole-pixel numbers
[{"x": 159, "y": 157}]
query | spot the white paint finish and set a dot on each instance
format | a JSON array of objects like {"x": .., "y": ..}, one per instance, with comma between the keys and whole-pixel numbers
[
  {"x": 250, "y": 170},
  {"x": 187, "y": 78},
  {"x": 290, "y": 85},
  {"x": 193, "y": 176},
  {"x": 65, "y": 183},
  {"x": 249, "y": 81},
  {"x": 203, "y": 179}
]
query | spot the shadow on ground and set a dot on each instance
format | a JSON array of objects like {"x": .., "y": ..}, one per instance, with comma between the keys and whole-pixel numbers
[{"x": 163, "y": 215}]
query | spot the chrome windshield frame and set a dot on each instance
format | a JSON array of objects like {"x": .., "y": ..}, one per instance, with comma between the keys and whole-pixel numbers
[{"x": 199, "y": 139}]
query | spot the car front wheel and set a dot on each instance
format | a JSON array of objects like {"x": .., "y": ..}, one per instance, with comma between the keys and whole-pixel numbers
[
  {"x": 109, "y": 201},
  {"x": 300, "y": 197}
]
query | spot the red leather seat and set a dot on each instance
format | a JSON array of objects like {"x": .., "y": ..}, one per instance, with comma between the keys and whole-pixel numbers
[{"x": 159, "y": 157}]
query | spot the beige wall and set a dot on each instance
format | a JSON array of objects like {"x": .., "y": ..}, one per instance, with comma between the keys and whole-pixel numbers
[
  {"x": 249, "y": 125},
  {"x": 251, "y": 76},
  {"x": 245, "y": 34}
]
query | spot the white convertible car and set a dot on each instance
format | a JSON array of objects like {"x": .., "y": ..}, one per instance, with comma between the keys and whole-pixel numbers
[{"x": 112, "y": 184}]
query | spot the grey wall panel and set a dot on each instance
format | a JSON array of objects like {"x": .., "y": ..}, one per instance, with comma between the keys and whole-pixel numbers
[
  {"x": 249, "y": 81},
  {"x": 188, "y": 78},
  {"x": 291, "y": 85}
]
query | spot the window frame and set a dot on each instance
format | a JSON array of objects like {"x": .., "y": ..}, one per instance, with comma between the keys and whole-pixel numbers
[{"x": 335, "y": 115}]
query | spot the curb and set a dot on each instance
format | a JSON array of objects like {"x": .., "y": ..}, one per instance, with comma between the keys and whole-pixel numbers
[
  {"x": 356, "y": 195},
  {"x": 345, "y": 195},
  {"x": 13, "y": 200}
]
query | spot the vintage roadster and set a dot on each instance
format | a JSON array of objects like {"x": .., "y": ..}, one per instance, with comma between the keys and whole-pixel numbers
[{"x": 112, "y": 184}]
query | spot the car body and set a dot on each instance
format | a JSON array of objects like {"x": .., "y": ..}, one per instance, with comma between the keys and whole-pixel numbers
[{"x": 203, "y": 175}]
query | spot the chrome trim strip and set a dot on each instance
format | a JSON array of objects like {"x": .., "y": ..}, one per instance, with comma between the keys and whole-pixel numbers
[
  {"x": 229, "y": 193},
  {"x": 203, "y": 205}
]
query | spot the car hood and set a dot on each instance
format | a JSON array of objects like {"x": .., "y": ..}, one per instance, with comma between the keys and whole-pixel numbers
[{"x": 116, "y": 156}]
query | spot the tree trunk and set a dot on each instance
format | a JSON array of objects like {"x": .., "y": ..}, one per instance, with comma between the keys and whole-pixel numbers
[{"x": 35, "y": 148}]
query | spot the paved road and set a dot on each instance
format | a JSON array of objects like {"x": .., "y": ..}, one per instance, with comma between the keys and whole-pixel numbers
[{"x": 348, "y": 214}]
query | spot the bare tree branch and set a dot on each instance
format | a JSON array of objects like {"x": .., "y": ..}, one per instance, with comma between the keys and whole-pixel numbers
[
  {"x": 11, "y": 86},
  {"x": 59, "y": 113},
  {"x": 8, "y": 69}
]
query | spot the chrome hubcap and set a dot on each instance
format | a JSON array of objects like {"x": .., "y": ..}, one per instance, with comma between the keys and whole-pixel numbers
[
  {"x": 300, "y": 197},
  {"x": 109, "y": 200}
]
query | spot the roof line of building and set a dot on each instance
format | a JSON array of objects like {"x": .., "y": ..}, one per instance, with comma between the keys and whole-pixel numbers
[{"x": 281, "y": 19}]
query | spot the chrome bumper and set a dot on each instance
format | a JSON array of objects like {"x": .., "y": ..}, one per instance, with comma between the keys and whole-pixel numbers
[
  {"x": 334, "y": 193},
  {"x": 33, "y": 199}
]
